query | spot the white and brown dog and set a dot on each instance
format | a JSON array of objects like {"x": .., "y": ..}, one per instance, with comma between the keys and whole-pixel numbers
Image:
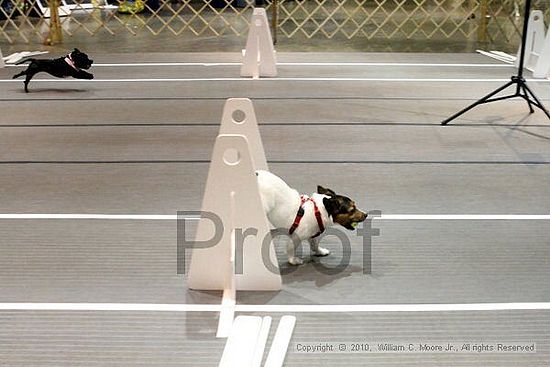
[{"x": 305, "y": 218}]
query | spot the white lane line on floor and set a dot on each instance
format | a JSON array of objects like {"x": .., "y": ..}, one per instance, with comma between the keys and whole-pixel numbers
[
  {"x": 464, "y": 217},
  {"x": 30, "y": 306},
  {"x": 166, "y": 80},
  {"x": 397, "y": 307},
  {"x": 152, "y": 307},
  {"x": 94, "y": 216},
  {"x": 214, "y": 64},
  {"x": 509, "y": 217}
]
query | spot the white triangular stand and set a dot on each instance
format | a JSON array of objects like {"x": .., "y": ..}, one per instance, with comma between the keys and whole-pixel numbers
[
  {"x": 534, "y": 41},
  {"x": 259, "y": 56},
  {"x": 232, "y": 194},
  {"x": 18, "y": 56},
  {"x": 239, "y": 118},
  {"x": 542, "y": 69}
]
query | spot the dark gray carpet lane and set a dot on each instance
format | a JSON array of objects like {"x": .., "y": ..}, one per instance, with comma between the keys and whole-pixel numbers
[
  {"x": 268, "y": 111},
  {"x": 262, "y": 88},
  {"x": 209, "y": 71},
  {"x": 412, "y": 262},
  {"x": 166, "y": 188},
  {"x": 109, "y": 339},
  {"x": 438, "y": 328},
  {"x": 428, "y": 261},
  {"x": 48, "y": 338},
  {"x": 273, "y": 88},
  {"x": 355, "y": 143},
  {"x": 304, "y": 57}
]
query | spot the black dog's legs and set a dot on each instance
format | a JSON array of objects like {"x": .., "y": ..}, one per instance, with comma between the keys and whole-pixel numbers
[
  {"x": 20, "y": 74},
  {"x": 28, "y": 78},
  {"x": 31, "y": 70},
  {"x": 81, "y": 74}
]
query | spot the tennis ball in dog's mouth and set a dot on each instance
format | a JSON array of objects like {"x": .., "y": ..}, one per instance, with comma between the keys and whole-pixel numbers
[{"x": 354, "y": 224}]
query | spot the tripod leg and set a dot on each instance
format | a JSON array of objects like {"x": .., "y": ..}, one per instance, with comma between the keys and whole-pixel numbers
[
  {"x": 478, "y": 102},
  {"x": 526, "y": 97},
  {"x": 538, "y": 103}
]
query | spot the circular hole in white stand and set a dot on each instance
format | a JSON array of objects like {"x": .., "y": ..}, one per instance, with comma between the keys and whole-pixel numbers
[
  {"x": 238, "y": 116},
  {"x": 231, "y": 157}
]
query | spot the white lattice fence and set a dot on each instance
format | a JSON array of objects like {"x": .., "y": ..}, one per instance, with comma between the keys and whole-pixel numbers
[{"x": 483, "y": 20}]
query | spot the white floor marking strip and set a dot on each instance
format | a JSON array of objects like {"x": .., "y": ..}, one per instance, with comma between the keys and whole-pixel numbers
[
  {"x": 497, "y": 56},
  {"x": 383, "y": 217},
  {"x": 281, "y": 340},
  {"x": 166, "y": 80},
  {"x": 405, "y": 64},
  {"x": 464, "y": 217},
  {"x": 214, "y": 64},
  {"x": 397, "y": 307},
  {"x": 227, "y": 313},
  {"x": 151, "y": 307},
  {"x": 93, "y": 216},
  {"x": 261, "y": 342},
  {"x": 146, "y": 307},
  {"x": 239, "y": 348}
]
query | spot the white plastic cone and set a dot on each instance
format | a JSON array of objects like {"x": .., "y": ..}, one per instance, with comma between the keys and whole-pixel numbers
[
  {"x": 259, "y": 56},
  {"x": 542, "y": 69},
  {"x": 534, "y": 40},
  {"x": 232, "y": 194}
]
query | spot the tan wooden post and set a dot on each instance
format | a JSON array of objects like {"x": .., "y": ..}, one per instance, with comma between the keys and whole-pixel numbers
[
  {"x": 483, "y": 20},
  {"x": 274, "y": 20},
  {"x": 55, "y": 34}
]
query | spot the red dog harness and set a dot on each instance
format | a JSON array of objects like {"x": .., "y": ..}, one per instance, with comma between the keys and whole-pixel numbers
[{"x": 300, "y": 214}]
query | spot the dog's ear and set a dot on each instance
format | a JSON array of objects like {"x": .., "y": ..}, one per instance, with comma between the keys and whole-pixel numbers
[
  {"x": 323, "y": 191},
  {"x": 331, "y": 205},
  {"x": 76, "y": 50}
]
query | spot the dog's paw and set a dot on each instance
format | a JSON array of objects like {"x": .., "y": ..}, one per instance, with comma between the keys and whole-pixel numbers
[
  {"x": 295, "y": 261},
  {"x": 321, "y": 251}
]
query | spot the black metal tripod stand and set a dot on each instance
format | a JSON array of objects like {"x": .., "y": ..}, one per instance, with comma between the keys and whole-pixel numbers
[{"x": 522, "y": 90}]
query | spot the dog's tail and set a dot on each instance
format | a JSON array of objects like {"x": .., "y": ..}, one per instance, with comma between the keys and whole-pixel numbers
[{"x": 24, "y": 60}]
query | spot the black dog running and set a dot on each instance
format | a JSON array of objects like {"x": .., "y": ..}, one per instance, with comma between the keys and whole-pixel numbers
[{"x": 70, "y": 65}]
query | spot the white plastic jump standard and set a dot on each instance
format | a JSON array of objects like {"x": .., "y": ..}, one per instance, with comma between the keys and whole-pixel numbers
[
  {"x": 542, "y": 69},
  {"x": 232, "y": 194},
  {"x": 259, "y": 56},
  {"x": 239, "y": 118},
  {"x": 535, "y": 40}
]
